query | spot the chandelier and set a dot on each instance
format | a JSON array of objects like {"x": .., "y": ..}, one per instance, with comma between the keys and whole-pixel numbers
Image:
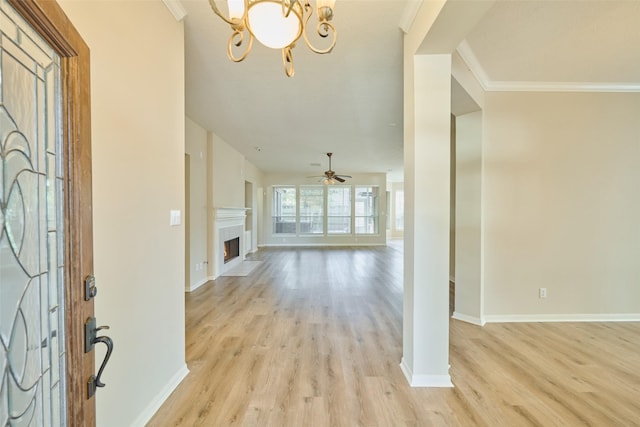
[{"x": 277, "y": 24}]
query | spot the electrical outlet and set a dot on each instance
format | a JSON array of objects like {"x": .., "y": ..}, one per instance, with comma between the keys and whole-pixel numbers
[{"x": 543, "y": 293}]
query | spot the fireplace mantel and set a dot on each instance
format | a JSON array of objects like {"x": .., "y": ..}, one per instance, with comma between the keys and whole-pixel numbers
[{"x": 222, "y": 213}]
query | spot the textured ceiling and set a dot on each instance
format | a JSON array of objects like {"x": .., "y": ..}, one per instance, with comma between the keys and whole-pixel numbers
[{"x": 349, "y": 102}]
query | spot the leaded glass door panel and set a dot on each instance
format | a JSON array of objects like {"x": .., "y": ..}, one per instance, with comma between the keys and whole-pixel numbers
[
  {"x": 32, "y": 353},
  {"x": 45, "y": 232}
]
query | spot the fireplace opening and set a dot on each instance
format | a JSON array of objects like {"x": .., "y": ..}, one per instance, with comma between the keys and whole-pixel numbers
[{"x": 231, "y": 249}]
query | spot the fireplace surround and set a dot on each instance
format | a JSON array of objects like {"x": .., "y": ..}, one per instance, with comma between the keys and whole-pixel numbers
[{"x": 228, "y": 225}]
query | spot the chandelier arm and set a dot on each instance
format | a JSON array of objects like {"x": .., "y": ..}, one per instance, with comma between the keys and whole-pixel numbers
[
  {"x": 239, "y": 36},
  {"x": 231, "y": 21},
  {"x": 287, "y": 61},
  {"x": 324, "y": 28},
  {"x": 287, "y": 10}
]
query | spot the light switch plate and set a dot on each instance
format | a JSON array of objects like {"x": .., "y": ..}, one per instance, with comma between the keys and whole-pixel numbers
[{"x": 175, "y": 218}]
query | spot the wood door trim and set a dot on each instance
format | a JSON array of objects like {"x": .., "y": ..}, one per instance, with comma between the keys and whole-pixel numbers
[{"x": 48, "y": 18}]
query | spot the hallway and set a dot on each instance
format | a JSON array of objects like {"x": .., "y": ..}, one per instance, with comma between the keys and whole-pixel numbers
[{"x": 313, "y": 337}]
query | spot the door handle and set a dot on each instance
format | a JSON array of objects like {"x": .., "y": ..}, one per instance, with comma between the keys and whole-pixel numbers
[{"x": 91, "y": 338}]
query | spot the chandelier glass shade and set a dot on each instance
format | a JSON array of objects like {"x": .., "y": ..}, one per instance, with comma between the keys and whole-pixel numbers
[{"x": 277, "y": 24}]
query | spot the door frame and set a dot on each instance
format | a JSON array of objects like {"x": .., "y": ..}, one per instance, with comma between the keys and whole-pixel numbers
[{"x": 50, "y": 21}]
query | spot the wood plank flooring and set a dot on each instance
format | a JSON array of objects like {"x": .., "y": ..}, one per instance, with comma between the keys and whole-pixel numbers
[{"x": 313, "y": 337}]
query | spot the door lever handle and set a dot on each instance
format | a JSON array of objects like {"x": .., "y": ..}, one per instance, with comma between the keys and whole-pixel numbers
[
  {"x": 91, "y": 339},
  {"x": 109, "y": 343}
]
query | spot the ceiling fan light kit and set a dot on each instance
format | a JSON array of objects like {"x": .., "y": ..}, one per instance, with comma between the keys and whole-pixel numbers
[
  {"x": 277, "y": 24},
  {"x": 330, "y": 177}
]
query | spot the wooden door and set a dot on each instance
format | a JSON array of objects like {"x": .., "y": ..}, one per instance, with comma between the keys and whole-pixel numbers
[{"x": 72, "y": 178}]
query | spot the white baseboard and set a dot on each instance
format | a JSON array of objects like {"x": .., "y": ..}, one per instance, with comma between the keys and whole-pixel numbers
[
  {"x": 600, "y": 317},
  {"x": 157, "y": 402},
  {"x": 424, "y": 380},
  {"x": 198, "y": 284},
  {"x": 320, "y": 245},
  {"x": 469, "y": 319}
]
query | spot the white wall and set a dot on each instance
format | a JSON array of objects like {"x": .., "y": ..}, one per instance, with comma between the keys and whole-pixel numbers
[
  {"x": 468, "y": 243},
  {"x": 561, "y": 204},
  {"x": 228, "y": 167},
  {"x": 427, "y": 214},
  {"x": 137, "y": 101},
  {"x": 271, "y": 179},
  {"x": 197, "y": 148}
]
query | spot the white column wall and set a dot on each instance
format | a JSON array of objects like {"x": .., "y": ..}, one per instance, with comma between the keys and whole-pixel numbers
[{"x": 427, "y": 167}]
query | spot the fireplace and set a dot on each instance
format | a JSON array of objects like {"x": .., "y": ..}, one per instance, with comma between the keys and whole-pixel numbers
[
  {"x": 228, "y": 239},
  {"x": 231, "y": 249}
]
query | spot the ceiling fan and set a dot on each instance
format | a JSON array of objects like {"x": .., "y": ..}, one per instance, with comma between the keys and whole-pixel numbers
[{"x": 330, "y": 176}]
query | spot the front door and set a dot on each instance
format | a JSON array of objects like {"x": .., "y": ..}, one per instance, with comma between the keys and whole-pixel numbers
[{"x": 45, "y": 218}]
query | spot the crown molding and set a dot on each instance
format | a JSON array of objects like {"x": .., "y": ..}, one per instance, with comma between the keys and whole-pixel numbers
[
  {"x": 488, "y": 85},
  {"x": 176, "y": 8},
  {"x": 497, "y": 86},
  {"x": 409, "y": 15},
  {"x": 473, "y": 64}
]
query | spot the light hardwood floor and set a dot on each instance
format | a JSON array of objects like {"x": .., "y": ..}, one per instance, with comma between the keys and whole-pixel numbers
[{"x": 313, "y": 337}]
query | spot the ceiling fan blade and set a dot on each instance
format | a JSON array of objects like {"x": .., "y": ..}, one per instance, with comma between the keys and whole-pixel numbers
[
  {"x": 337, "y": 178},
  {"x": 345, "y": 176}
]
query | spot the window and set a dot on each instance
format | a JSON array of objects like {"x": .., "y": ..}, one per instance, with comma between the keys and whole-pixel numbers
[
  {"x": 366, "y": 210},
  {"x": 338, "y": 209},
  {"x": 284, "y": 210},
  {"x": 399, "y": 210},
  {"x": 312, "y": 209},
  {"x": 324, "y": 210}
]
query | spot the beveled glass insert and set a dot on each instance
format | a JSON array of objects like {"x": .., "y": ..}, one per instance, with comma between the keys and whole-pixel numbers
[{"x": 32, "y": 351}]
